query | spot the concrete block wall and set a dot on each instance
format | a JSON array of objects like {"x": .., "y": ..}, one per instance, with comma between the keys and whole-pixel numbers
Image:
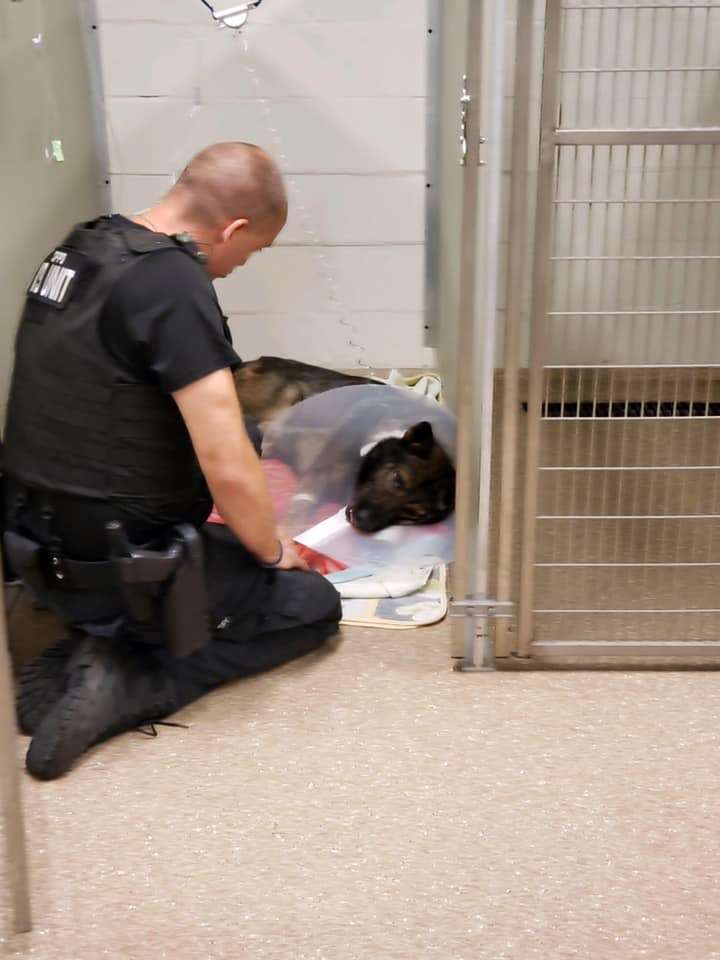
[{"x": 336, "y": 90}]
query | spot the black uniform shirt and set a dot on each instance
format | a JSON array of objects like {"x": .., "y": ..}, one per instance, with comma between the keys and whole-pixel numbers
[{"x": 163, "y": 321}]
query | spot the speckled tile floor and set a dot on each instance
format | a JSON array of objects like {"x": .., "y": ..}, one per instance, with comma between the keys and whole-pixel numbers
[{"x": 370, "y": 804}]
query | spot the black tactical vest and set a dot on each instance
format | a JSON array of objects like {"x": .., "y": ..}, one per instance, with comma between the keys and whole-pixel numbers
[{"x": 78, "y": 422}]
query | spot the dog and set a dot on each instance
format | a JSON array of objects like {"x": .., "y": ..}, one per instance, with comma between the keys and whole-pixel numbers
[
  {"x": 407, "y": 479},
  {"x": 269, "y": 385}
]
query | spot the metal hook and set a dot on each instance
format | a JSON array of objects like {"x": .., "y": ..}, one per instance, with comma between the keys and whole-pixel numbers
[{"x": 234, "y": 17}]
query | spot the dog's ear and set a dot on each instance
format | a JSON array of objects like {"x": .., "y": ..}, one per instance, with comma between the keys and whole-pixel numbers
[{"x": 419, "y": 439}]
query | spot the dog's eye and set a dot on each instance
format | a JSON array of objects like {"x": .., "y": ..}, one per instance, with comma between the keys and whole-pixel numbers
[{"x": 397, "y": 480}]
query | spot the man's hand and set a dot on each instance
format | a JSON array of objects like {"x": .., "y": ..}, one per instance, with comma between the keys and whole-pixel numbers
[{"x": 291, "y": 559}]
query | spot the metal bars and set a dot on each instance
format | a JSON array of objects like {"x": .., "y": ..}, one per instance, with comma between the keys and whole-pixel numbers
[{"x": 621, "y": 528}]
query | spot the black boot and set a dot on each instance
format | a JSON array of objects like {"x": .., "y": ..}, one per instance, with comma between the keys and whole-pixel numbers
[
  {"x": 111, "y": 688},
  {"x": 42, "y": 681}
]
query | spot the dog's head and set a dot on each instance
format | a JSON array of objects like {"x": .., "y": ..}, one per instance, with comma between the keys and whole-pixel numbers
[{"x": 406, "y": 480}]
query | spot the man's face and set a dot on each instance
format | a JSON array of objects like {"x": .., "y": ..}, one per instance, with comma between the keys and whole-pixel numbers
[{"x": 236, "y": 250}]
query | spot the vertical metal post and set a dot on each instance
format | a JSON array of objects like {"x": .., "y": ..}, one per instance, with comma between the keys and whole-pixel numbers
[
  {"x": 515, "y": 272},
  {"x": 542, "y": 289},
  {"x": 484, "y": 647},
  {"x": 463, "y": 575},
  {"x": 10, "y": 786}
]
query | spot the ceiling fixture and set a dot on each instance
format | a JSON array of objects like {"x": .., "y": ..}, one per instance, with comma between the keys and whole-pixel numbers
[{"x": 235, "y": 16}]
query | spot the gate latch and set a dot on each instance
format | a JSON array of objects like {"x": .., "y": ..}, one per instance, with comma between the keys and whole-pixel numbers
[{"x": 481, "y": 607}]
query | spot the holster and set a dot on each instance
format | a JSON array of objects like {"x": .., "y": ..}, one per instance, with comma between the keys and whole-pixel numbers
[{"x": 165, "y": 585}]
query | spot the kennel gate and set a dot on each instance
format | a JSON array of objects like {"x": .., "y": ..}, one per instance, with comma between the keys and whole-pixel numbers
[{"x": 617, "y": 552}]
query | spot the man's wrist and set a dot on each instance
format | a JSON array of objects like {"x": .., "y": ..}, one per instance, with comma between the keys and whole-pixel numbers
[{"x": 277, "y": 559}]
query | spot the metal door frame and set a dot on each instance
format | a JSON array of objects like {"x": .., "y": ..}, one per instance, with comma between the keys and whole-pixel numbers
[
  {"x": 88, "y": 13},
  {"x": 518, "y": 221},
  {"x": 480, "y": 117},
  {"x": 552, "y": 137}
]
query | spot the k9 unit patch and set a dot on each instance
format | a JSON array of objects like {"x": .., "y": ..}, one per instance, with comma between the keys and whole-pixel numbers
[{"x": 56, "y": 278}]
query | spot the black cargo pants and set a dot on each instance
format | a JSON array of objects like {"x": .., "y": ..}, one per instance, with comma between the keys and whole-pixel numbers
[{"x": 260, "y": 618}]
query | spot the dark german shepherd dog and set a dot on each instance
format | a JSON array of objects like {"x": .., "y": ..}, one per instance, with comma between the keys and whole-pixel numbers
[{"x": 401, "y": 480}]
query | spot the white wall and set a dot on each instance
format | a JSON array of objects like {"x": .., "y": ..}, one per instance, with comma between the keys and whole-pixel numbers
[
  {"x": 44, "y": 96},
  {"x": 335, "y": 89}
]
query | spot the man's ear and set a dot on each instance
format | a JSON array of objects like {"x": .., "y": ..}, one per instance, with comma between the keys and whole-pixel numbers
[{"x": 232, "y": 228}]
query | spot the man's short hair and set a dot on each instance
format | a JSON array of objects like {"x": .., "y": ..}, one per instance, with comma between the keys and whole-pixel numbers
[{"x": 233, "y": 181}]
